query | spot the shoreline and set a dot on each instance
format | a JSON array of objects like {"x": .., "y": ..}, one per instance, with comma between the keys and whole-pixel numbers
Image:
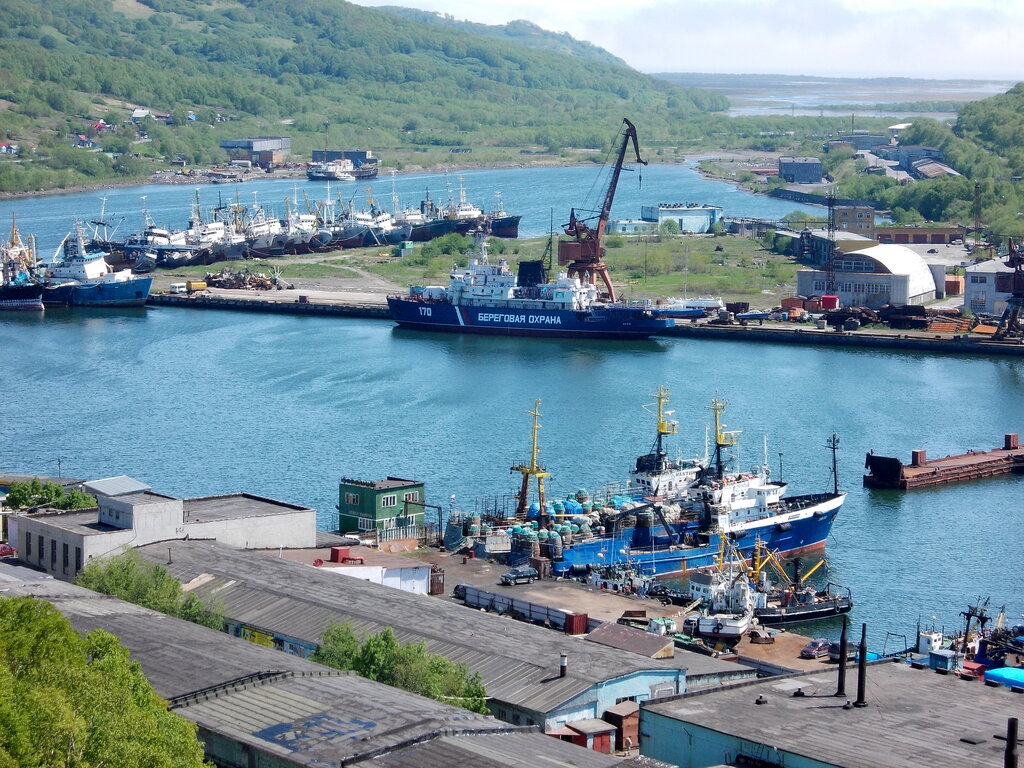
[{"x": 171, "y": 177}]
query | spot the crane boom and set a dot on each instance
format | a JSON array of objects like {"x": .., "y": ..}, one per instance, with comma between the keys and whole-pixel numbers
[{"x": 584, "y": 255}]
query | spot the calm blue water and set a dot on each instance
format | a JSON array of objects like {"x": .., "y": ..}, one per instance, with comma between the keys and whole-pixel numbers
[
  {"x": 540, "y": 195},
  {"x": 200, "y": 402}
]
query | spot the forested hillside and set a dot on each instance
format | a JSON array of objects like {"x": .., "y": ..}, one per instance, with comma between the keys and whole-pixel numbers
[
  {"x": 520, "y": 31},
  {"x": 272, "y": 68}
]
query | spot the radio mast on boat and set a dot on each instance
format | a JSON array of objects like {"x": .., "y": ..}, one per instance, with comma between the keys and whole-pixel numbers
[{"x": 532, "y": 469}]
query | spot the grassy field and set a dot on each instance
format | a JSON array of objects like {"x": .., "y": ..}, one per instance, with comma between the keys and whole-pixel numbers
[{"x": 735, "y": 268}]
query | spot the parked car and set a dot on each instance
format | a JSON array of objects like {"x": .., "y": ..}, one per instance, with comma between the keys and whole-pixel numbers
[
  {"x": 6, "y": 550},
  {"x": 816, "y": 649},
  {"x": 523, "y": 575},
  {"x": 834, "y": 655}
]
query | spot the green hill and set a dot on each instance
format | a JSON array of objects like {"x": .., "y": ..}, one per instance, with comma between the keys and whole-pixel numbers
[
  {"x": 261, "y": 67},
  {"x": 519, "y": 31}
]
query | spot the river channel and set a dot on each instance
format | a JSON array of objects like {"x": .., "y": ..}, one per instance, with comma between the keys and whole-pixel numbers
[{"x": 201, "y": 402}]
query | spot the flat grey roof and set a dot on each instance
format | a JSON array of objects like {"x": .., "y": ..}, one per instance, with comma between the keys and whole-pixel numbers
[
  {"x": 84, "y": 523},
  {"x": 517, "y": 661},
  {"x": 295, "y": 709},
  {"x": 914, "y": 717},
  {"x": 234, "y": 506},
  {"x": 116, "y": 486},
  {"x": 369, "y": 555}
]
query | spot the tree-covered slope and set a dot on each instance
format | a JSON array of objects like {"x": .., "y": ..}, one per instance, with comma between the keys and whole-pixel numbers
[
  {"x": 379, "y": 79},
  {"x": 519, "y": 31}
]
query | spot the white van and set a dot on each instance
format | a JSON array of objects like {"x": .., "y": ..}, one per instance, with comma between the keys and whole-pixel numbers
[{"x": 178, "y": 288}]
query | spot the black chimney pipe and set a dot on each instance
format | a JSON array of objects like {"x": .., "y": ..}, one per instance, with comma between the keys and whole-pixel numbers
[
  {"x": 841, "y": 689},
  {"x": 862, "y": 668},
  {"x": 1010, "y": 757},
  {"x": 563, "y": 665}
]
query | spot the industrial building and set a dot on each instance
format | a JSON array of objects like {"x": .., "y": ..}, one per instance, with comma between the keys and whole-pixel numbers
[
  {"x": 904, "y": 717},
  {"x": 289, "y": 605},
  {"x": 800, "y": 170},
  {"x": 875, "y": 276},
  {"x": 257, "y": 707},
  {"x": 691, "y": 218},
  {"x": 130, "y": 514},
  {"x": 263, "y": 151},
  {"x": 987, "y": 287},
  {"x": 394, "y": 505}
]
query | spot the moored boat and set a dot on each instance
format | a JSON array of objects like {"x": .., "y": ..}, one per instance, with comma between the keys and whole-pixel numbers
[
  {"x": 488, "y": 298},
  {"x": 84, "y": 279},
  {"x": 19, "y": 288}
]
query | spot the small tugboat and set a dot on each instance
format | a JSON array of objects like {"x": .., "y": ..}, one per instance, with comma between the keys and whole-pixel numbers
[
  {"x": 84, "y": 279},
  {"x": 794, "y": 600}
]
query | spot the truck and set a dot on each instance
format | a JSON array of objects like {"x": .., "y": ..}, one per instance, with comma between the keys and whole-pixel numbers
[{"x": 194, "y": 286}]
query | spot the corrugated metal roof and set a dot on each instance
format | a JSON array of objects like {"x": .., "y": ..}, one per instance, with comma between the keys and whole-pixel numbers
[
  {"x": 517, "y": 661},
  {"x": 284, "y": 706},
  {"x": 629, "y": 639},
  {"x": 121, "y": 485}
]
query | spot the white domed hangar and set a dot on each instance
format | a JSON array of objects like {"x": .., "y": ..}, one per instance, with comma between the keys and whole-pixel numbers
[{"x": 875, "y": 276}]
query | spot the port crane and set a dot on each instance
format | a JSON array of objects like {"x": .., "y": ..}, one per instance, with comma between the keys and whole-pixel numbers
[
  {"x": 1010, "y": 322},
  {"x": 584, "y": 254}
]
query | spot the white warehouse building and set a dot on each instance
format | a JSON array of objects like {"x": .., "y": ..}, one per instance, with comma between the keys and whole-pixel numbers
[
  {"x": 875, "y": 276},
  {"x": 130, "y": 514}
]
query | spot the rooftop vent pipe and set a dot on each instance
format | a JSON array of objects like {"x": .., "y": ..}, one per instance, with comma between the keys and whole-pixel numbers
[
  {"x": 563, "y": 665},
  {"x": 1011, "y": 754}
]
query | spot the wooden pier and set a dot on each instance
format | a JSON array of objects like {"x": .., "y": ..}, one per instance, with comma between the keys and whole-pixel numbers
[{"x": 888, "y": 472}]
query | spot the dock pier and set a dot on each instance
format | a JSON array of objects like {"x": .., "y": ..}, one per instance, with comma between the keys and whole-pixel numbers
[{"x": 888, "y": 472}]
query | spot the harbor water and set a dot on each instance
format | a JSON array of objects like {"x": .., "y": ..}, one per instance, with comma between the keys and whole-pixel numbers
[{"x": 199, "y": 402}]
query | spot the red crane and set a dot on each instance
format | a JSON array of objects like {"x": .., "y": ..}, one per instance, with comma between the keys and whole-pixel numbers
[{"x": 584, "y": 255}]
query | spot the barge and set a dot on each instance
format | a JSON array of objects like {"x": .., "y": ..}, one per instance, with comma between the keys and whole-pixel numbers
[{"x": 889, "y": 472}]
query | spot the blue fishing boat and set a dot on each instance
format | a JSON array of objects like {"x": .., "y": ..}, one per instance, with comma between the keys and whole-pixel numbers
[
  {"x": 83, "y": 278},
  {"x": 19, "y": 288},
  {"x": 671, "y": 515}
]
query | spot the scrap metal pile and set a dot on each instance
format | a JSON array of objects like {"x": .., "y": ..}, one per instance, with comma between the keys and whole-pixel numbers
[{"x": 246, "y": 280}]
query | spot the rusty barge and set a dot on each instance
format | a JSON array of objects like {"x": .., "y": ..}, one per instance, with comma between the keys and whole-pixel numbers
[{"x": 921, "y": 472}]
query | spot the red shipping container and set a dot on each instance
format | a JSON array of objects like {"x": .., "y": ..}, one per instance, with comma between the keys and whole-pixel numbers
[
  {"x": 792, "y": 302},
  {"x": 338, "y": 554},
  {"x": 830, "y": 302}
]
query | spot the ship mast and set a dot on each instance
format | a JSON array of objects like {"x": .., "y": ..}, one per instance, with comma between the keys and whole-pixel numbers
[
  {"x": 533, "y": 469},
  {"x": 584, "y": 255},
  {"x": 665, "y": 427},
  {"x": 723, "y": 439}
]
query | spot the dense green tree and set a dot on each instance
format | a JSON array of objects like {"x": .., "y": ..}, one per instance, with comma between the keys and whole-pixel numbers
[
  {"x": 410, "y": 667},
  {"x": 73, "y": 702},
  {"x": 36, "y": 493},
  {"x": 136, "y": 580}
]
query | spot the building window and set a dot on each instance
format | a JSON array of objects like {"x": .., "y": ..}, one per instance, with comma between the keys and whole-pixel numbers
[
  {"x": 28, "y": 545},
  {"x": 819, "y": 285},
  {"x": 391, "y": 500},
  {"x": 42, "y": 554},
  {"x": 351, "y": 498},
  {"x": 78, "y": 559},
  {"x": 365, "y": 523},
  {"x": 64, "y": 554},
  {"x": 412, "y": 496},
  {"x": 858, "y": 287},
  {"x": 53, "y": 553},
  {"x": 979, "y": 278}
]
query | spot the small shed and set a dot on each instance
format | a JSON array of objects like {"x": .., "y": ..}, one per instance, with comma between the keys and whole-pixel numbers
[
  {"x": 593, "y": 734},
  {"x": 625, "y": 716}
]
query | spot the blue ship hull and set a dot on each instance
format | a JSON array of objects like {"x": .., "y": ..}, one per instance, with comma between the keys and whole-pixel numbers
[
  {"x": 131, "y": 293},
  {"x": 650, "y": 551},
  {"x": 609, "y": 322}
]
